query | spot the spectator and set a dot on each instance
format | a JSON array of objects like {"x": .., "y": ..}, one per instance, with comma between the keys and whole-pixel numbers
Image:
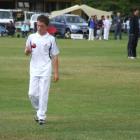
[
  {"x": 118, "y": 26},
  {"x": 101, "y": 27},
  {"x": 23, "y": 29},
  {"x": 95, "y": 26},
  {"x": 133, "y": 34},
  {"x": 27, "y": 29},
  {"x": 91, "y": 29},
  {"x": 11, "y": 28}
]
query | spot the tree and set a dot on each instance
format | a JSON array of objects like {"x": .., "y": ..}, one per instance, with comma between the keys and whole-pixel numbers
[{"x": 123, "y": 6}]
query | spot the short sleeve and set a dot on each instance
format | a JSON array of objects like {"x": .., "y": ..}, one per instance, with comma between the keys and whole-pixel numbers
[{"x": 54, "y": 48}]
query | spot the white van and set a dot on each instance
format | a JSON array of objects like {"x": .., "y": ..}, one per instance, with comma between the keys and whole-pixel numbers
[
  {"x": 17, "y": 16},
  {"x": 5, "y": 16}
]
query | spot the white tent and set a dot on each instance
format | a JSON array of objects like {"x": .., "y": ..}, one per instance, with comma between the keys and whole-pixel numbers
[
  {"x": 64, "y": 11},
  {"x": 89, "y": 11},
  {"x": 92, "y": 11}
]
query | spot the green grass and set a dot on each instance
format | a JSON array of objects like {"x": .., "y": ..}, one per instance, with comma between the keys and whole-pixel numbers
[{"x": 97, "y": 97}]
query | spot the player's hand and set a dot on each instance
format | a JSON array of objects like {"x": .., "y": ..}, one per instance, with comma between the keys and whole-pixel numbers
[
  {"x": 28, "y": 50},
  {"x": 56, "y": 77}
]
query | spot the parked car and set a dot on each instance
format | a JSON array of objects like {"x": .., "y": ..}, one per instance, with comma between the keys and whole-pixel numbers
[
  {"x": 68, "y": 23},
  {"x": 3, "y": 30}
]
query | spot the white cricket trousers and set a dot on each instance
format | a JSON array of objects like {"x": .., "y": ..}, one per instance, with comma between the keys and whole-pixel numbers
[
  {"x": 106, "y": 33},
  {"x": 91, "y": 34},
  {"x": 38, "y": 93}
]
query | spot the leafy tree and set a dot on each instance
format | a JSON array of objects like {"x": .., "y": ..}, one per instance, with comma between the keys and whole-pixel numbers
[{"x": 123, "y": 6}]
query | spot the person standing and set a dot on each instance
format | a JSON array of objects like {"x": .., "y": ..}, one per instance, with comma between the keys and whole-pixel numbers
[
  {"x": 44, "y": 52},
  {"x": 101, "y": 27},
  {"x": 11, "y": 28},
  {"x": 91, "y": 29},
  {"x": 27, "y": 29},
  {"x": 95, "y": 26},
  {"x": 23, "y": 29},
  {"x": 107, "y": 25},
  {"x": 133, "y": 34},
  {"x": 118, "y": 26}
]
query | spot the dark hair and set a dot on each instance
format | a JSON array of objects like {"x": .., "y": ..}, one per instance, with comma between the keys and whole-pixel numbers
[
  {"x": 102, "y": 16},
  {"x": 135, "y": 9},
  {"x": 44, "y": 19}
]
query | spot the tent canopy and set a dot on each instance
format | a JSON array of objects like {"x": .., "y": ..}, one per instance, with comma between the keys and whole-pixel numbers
[{"x": 89, "y": 11}]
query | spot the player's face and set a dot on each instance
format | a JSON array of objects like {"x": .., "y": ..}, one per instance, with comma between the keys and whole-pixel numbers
[{"x": 41, "y": 28}]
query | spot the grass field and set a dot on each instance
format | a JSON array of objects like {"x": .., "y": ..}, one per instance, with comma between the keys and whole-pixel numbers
[{"x": 97, "y": 97}]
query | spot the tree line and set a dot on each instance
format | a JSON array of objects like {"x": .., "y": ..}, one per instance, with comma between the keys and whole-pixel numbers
[{"x": 123, "y": 6}]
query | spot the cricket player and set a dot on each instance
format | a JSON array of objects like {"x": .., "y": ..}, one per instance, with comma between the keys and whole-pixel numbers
[
  {"x": 44, "y": 53},
  {"x": 107, "y": 25}
]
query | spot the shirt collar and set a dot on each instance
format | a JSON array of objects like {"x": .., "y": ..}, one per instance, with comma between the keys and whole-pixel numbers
[{"x": 45, "y": 35}]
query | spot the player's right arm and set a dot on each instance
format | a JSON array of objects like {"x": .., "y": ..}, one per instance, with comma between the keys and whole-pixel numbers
[{"x": 28, "y": 48}]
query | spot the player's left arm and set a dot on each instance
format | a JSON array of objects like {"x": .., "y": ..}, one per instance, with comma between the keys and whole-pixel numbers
[{"x": 55, "y": 62}]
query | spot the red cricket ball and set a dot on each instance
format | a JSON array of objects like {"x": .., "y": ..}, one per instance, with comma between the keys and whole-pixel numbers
[{"x": 33, "y": 45}]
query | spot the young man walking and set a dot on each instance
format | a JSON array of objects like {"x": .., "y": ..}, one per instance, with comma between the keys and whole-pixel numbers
[{"x": 44, "y": 52}]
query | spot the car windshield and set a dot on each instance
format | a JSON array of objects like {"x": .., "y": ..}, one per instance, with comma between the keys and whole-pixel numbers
[
  {"x": 5, "y": 15},
  {"x": 74, "y": 19}
]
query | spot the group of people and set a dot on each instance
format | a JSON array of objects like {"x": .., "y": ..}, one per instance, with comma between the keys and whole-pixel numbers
[
  {"x": 24, "y": 29},
  {"x": 99, "y": 29}
]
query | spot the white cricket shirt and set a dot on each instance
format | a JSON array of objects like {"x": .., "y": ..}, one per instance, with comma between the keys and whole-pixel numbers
[
  {"x": 107, "y": 23},
  {"x": 40, "y": 63}
]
